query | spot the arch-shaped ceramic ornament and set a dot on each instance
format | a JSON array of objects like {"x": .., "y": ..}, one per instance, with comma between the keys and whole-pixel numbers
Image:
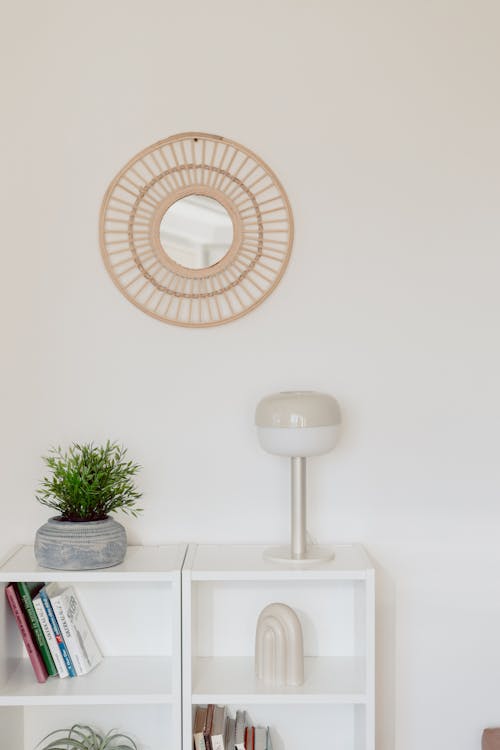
[{"x": 279, "y": 650}]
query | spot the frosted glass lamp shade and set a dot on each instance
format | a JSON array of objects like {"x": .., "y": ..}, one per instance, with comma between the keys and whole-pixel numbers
[
  {"x": 290, "y": 441},
  {"x": 298, "y": 423}
]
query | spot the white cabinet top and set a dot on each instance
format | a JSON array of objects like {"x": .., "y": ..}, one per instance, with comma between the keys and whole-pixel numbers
[
  {"x": 155, "y": 563},
  {"x": 202, "y": 562},
  {"x": 247, "y": 562}
]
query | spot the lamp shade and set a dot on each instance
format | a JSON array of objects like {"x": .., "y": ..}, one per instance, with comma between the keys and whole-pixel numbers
[{"x": 298, "y": 423}]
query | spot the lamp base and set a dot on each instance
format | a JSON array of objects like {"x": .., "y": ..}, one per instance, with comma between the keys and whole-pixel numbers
[{"x": 313, "y": 554}]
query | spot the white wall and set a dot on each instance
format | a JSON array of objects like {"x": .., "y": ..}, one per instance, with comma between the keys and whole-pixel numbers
[{"x": 382, "y": 121}]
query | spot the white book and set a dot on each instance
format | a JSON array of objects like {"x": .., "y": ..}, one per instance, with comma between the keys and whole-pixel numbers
[
  {"x": 61, "y": 667},
  {"x": 239, "y": 731},
  {"x": 260, "y": 738},
  {"x": 230, "y": 736},
  {"x": 80, "y": 642}
]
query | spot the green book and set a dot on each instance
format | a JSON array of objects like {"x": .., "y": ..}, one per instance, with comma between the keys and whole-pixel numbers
[{"x": 26, "y": 592}]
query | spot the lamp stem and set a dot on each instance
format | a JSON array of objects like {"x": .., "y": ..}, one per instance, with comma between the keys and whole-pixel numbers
[{"x": 298, "y": 466}]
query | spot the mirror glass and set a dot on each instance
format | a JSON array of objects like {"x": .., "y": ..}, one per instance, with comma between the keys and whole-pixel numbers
[{"x": 196, "y": 231}]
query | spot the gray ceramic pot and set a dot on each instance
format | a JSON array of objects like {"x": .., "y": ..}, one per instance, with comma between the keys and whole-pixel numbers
[{"x": 82, "y": 545}]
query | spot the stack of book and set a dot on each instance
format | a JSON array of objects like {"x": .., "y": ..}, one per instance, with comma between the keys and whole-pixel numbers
[
  {"x": 214, "y": 729},
  {"x": 55, "y": 632}
]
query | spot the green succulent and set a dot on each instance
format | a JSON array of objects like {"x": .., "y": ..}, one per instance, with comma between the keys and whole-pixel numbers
[
  {"x": 88, "y": 482},
  {"x": 81, "y": 737}
]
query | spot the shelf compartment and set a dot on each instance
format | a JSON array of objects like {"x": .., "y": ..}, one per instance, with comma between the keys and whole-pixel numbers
[
  {"x": 221, "y": 616},
  {"x": 224, "y": 590},
  {"x": 150, "y": 725},
  {"x": 312, "y": 727},
  {"x": 232, "y": 680},
  {"x": 134, "y": 612},
  {"x": 118, "y": 679}
]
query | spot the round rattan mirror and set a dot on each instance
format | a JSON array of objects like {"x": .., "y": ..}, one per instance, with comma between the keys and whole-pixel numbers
[{"x": 196, "y": 230}]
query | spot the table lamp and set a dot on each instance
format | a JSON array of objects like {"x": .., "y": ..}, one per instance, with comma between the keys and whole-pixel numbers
[{"x": 298, "y": 424}]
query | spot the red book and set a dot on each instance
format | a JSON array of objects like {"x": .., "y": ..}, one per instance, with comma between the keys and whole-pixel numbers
[
  {"x": 249, "y": 738},
  {"x": 22, "y": 624}
]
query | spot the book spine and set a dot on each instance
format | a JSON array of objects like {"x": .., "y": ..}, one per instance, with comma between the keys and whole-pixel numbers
[
  {"x": 69, "y": 635},
  {"x": 50, "y": 637},
  {"x": 229, "y": 739},
  {"x": 57, "y": 633},
  {"x": 249, "y": 738},
  {"x": 199, "y": 725},
  {"x": 208, "y": 726},
  {"x": 240, "y": 728},
  {"x": 90, "y": 653},
  {"x": 39, "y": 637},
  {"x": 260, "y": 740},
  {"x": 199, "y": 741},
  {"x": 218, "y": 728},
  {"x": 22, "y": 623},
  {"x": 217, "y": 742}
]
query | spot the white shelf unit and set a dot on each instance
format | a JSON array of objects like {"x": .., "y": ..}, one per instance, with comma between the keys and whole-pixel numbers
[
  {"x": 134, "y": 610},
  {"x": 224, "y": 589}
]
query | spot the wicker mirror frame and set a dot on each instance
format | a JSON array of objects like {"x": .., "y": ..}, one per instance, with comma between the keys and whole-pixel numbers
[{"x": 169, "y": 170}]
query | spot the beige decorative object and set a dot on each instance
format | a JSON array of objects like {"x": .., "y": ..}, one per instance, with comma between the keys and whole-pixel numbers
[
  {"x": 279, "y": 650},
  {"x": 196, "y": 230},
  {"x": 491, "y": 739}
]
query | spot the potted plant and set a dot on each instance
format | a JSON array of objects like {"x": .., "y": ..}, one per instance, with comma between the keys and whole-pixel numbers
[
  {"x": 87, "y": 483},
  {"x": 81, "y": 737}
]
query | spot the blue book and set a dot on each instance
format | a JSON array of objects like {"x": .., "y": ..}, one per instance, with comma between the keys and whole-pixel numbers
[{"x": 57, "y": 632}]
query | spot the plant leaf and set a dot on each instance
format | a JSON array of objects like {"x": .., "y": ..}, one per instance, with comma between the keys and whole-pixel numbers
[{"x": 88, "y": 482}]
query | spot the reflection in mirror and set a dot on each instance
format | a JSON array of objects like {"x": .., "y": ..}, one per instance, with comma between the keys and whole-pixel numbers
[{"x": 196, "y": 231}]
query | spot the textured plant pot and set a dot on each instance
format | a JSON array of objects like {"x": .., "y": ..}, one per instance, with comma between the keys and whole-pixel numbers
[{"x": 83, "y": 545}]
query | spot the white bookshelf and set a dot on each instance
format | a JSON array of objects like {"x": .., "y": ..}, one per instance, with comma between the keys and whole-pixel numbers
[
  {"x": 224, "y": 590},
  {"x": 134, "y": 610}
]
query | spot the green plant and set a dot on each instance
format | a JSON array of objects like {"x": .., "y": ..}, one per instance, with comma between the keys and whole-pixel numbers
[
  {"x": 88, "y": 482},
  {"x": 81, "y": 737}
]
